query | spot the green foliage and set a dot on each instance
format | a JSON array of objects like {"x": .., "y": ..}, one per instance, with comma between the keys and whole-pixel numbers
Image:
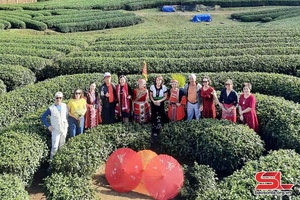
[
  {"x": 83, "y": 154},
  {"x": 16, "y": 76},
  {"x": 279, "y": 122},
  {"x": 286, "y": 64},
  {"x": 199, "y": 181},
  {"x": 6, "y": 24},
  {"x": 2, "y": 87},
  {"x": 267, "y": 15},
  {"x": 241, "y": 184},
  {"x": 220, "y": 144},
  {"x": 11, "y": 187},
  {"x": 68, "y": 187},
  {"x": 21, "y": 154}
]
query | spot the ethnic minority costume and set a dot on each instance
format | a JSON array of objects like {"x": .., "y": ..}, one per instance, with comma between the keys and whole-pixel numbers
[
  {"x": 250, "y": 118},
  {"x": 123, "y": 108},
  {"x": 176, "y": 113},
  {"x": 229, "y": 101},
  {"x": 92, "y": 115},
  {"x": 141, "y": 107},
  {"x": 209, "y": 109},
  {"x": 158, "y": 111},
  {"x": 108, "y": 103}
]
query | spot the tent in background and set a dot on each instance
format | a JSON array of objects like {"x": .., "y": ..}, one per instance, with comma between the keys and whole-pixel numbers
[
  {"x": 202, "y": 18},
  {"x": 168, "y": 9}
]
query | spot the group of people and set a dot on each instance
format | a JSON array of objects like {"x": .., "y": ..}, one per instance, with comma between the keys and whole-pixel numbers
[{"x": 89, "y": 109}]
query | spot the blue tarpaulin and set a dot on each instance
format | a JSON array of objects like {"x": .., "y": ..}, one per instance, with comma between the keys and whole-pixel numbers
[
  {"x": 168, "y": 9},
  {"x": 202, "y": 18}
]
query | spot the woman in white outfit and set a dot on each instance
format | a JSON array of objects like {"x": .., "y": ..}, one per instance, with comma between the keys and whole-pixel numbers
[{"x": 58, "y": 126}]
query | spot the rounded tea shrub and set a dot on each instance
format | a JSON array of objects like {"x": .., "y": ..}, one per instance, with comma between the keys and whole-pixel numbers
[
  {"x": 59, "y": 186},
  {"x": 11, "y": 187},
  {"x": 222, "y": 145}
]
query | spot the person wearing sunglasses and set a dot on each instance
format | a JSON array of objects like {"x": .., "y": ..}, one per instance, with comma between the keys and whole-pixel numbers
[
  {"x": 208, "y": 94},
  {"x": 58, "y": 126},
  {"x": 228, "y": 101},
  {"x": 77, "y": 109}
]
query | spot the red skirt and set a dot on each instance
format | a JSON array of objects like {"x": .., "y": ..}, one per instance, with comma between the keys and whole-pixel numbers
[
  {"x": 92, "y": 117},
  {"x": 231, "y": 116}
]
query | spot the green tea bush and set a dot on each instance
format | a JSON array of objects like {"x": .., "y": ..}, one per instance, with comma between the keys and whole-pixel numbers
[
  {"x": 220, "y": 144},
  {"x": 11, "y": 187},
  {"x": 21, "y": 154},
  {"x": 83, "y": 154},
  {"x": 241, "y": 184},
  {"x": 6, "y": 24},
  {"x": 286, "y": 64},
  {"x": 199, "y": 181},
  {"x": 15, "y": 76},
  {"x": 68, "y": 187},
  {"x": 2, "y": 87},
  {"x": 33, "y": 63}
]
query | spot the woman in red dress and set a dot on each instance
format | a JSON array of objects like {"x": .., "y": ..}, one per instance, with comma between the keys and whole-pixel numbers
[
  {"x": 247, "y": 108},
  {"x": 208, "y": 94},
  {"x": 177, "y": 102},
  {"x": 123, "y": 91},
  {"x": 140, "y": 101},
  {"x": 93, "y": 113}
]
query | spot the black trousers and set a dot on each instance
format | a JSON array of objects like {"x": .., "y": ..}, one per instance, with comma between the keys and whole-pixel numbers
[{"x": 108, "y": 114}]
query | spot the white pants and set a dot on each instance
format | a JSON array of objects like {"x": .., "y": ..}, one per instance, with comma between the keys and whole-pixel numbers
[{"x": 58, "y": 140}]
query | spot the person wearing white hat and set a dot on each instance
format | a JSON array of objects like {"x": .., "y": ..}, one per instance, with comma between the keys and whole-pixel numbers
[
  {"x": 58, "y": 126},
  {"x": 108, "y": 98}
]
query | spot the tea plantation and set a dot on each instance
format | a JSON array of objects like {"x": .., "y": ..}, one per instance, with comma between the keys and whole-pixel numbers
[{"x": 60, "y": 45}]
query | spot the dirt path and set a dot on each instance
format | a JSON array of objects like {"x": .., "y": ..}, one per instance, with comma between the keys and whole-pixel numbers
[{"x": 102, "y": 188}]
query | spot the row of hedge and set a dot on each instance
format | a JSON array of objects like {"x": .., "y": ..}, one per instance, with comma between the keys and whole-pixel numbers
[
  {"x": 98, "y": 24},
  {"x": 286, "y": 64},
  {"x": 201, "y": 41},
  {"x": 15, "y": 76},
  {"x": 189, "y": 54},
  {"x": 138, "y": 5},
  {"x": 33, "y": 63},
  {"x": 17, "y": 21},
  {"x": 21, "y": 154},
  {"x": 263, "y": 15},
  {"x": 20, "y": 50},
  {"x": 191, "y": 46}
]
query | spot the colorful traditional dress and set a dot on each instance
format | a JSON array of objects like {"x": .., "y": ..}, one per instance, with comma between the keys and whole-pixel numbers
[
  {"x": 250, "y": 118},
  {"x": 123, "y": 102},
  {"x": 93, "y": 114},
  {"x": 158, "y": 111},
  {"x": 176, "y": 113},
  {"x": 228, "y": 101},
  {"x": 209, "y": 109},
  {"x": 141, "y": 107}
]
